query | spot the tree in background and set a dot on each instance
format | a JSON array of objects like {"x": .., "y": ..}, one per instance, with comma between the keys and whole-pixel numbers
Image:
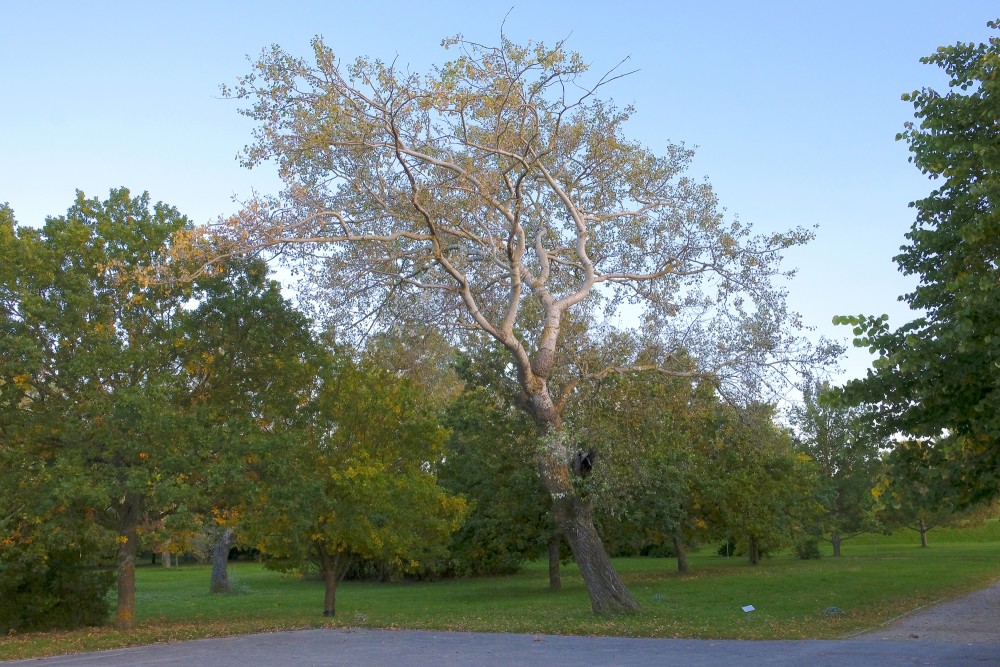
[
  {"x": 500, "y": 194},
  {"x": 487, "y": 460},
  {"x": 356, "y": 483},
  {"x": 128, "y": 401},
  {"x": 762, "y": 493},
  {"x": 915, "y": 491},
  {"x": 837, "y": 438},
  {"x": 936, "y": 377}
]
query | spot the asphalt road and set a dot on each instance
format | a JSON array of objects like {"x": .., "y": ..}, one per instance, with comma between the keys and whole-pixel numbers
[
  {"x": 357, "y": 648},
  {"x": 965, "y": 631}
]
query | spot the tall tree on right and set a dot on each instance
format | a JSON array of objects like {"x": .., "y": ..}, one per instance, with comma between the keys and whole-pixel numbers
[{"x": 936, "y": 377}]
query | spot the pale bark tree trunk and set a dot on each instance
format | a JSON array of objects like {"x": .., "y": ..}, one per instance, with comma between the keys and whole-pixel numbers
[
  {"x": 835, "y": 541},
  {"x": 574, "y": 514},
  {"x": 555, "y": 541},
  {"x": 680, "y": 548},
  {"x": 129, "y": 511},
  {"x": 220, "y": 562},
  {"x": 165, "y": 552},
  {"x": 922, "y": 528}
]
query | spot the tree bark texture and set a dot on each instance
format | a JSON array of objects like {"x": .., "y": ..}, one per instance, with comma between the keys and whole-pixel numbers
[
  {"x": 220, "y": 562},
  {"x": 835, "y": 541},
  {"x": 754, "y": 550},
  {"x": 334, "y": 568},
  {"x": 129, "y": 512},
  {"x": 680, "y": 548},
  {"x": 555, "y": 541},
  {"x": 166, "y": 554},
  {"x": 574, "y": 514},
  {"x": 922, "y": 527}
]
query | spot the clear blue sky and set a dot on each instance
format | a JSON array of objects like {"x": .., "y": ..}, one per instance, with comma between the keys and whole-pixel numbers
[{"x": 794, "y": 105}]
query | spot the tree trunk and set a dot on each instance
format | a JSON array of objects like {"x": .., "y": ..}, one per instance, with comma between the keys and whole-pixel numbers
[
  {"x": 680, "y": 548},
  {"x": 166, "y": 554},
  {"x": 835, "y": 541},
  {"x": 129, "y": 512},
  {"x": 555, "y": 541},
  {"x": 922, "y": 527},
  {"x": 334, "y": 568},
  {"x": 220, "y": 562},
  {"x": 754, "y": 550},
  {"x": 574, "y": 515}
]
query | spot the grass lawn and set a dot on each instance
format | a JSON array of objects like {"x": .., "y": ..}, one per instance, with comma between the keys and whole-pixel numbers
[{"x": 877, "y": 578}]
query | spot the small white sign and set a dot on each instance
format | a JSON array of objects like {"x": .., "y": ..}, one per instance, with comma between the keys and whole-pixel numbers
[{"x": 748, "y": 608}]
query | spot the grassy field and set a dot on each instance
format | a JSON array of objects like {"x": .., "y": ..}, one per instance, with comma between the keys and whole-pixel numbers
[{"x": 876, "y": 579}]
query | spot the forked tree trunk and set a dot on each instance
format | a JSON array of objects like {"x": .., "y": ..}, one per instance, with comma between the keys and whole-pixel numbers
[
  {"x": 334, "y": 567},
  {"x": 165, "y": 549},
  {"x": 220, "y": 562},
  {"x": 680, "y": 548},
  {"x": 129, "y": 512},
  {"x": 555, "y": 541}
]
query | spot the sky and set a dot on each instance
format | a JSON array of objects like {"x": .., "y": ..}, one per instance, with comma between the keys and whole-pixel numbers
[{"x": 793, "y": 106}]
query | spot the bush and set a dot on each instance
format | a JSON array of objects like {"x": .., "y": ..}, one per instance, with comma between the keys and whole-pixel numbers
[
  {"x": 54, "y": 591},
  {"x": 807, "y": 549}
]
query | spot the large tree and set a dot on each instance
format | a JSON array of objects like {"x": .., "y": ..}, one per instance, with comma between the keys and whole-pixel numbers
[
  {"x": 118, "y": 399},
  {"x": 937, "y": 376},
  {"x": 499, "y": 193}
]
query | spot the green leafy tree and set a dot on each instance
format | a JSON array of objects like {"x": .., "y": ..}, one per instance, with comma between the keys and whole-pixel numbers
[
  {"x": 488, "y": 461},
  {"x": 836, "y": 437},
  {"x": 915, "y": 491},
  {"x": 357, "y": 482},
  {"x": 499, "y": 194},
  {"x": 936, "y": 377},
  {"x": 763, "y": 491},
  {"x": 119, "y": 400},
  {"x": 645, "y": 434},
  {"x": 249, "y": 361},
  {"x": 90, "y": 364}
]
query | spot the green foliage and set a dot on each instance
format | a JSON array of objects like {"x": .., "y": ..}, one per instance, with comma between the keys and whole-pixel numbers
[
  {"x": 846, "y": 454},
  {"x": 120, "y": 404},
  {"x": 762, "y": 491},
  {"x": 807, "y": 548},
  {"x": 57, "y": 590},
  {"x": 488, "y": 460},
  {"x": 356, "y": 483},
  {"x": 937, "y": 376}
]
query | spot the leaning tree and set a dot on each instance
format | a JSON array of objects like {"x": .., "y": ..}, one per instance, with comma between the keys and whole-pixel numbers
[{"x": 498, "y": 194}]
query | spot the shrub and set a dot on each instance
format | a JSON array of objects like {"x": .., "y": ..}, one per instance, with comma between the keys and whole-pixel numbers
[{"x": 54, "y": 591}]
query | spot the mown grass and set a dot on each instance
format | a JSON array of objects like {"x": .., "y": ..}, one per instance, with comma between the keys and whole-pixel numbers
[{"x": 877, "y": 578}]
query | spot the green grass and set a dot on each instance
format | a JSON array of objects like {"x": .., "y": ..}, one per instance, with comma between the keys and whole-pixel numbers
[{"x": 877, "y": 579}]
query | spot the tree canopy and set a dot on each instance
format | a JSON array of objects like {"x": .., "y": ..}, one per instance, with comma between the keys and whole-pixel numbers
[{"x": 936, "y": 377}]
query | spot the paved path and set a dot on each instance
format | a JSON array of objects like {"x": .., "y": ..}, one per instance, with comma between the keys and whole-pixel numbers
[{"x": 961, "y": 632}]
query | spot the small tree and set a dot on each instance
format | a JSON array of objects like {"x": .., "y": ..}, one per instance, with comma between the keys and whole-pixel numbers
[
  {"x": 914, "y": 489},
  {"x": 488, "y": 460},
  {"x": 846, "y": 453},
  {"x": 356, "y": 482}
]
